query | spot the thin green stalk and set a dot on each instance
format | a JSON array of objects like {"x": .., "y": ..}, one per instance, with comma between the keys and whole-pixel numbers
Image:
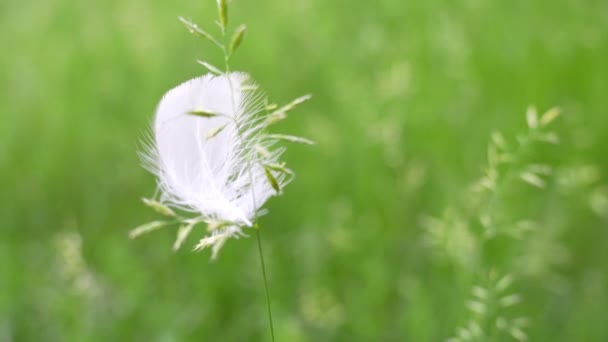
[
  {"x": 257, "y": 230},
  {"x": 257, "y": 234}
]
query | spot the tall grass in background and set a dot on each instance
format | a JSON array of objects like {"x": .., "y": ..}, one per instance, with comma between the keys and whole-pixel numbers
[
  {"x": 469, "y": 234},
  {"x": 382, "y": 236}
]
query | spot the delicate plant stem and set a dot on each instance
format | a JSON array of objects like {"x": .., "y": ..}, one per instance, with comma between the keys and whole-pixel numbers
[
  {"x": 257, "y": 234},
  {"x": 257, "y": 229}
]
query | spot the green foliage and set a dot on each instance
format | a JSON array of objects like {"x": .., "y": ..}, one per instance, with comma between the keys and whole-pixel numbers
[
  {"x": 407, "y": 95},
  {"x": 468, "y": 235}
]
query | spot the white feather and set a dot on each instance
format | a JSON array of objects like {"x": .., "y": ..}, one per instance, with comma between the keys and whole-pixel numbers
[{"x": 220, "y": 178}]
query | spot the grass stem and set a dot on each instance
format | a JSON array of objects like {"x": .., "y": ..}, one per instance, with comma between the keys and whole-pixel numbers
[{"x": 260, "y": 250}]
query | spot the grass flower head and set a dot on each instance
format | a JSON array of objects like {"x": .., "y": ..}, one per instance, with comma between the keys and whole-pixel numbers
[{"x": 212, "y": 152}]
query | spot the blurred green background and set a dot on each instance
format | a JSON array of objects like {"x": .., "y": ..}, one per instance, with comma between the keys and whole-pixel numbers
[{"x": 406, "y": 96}]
